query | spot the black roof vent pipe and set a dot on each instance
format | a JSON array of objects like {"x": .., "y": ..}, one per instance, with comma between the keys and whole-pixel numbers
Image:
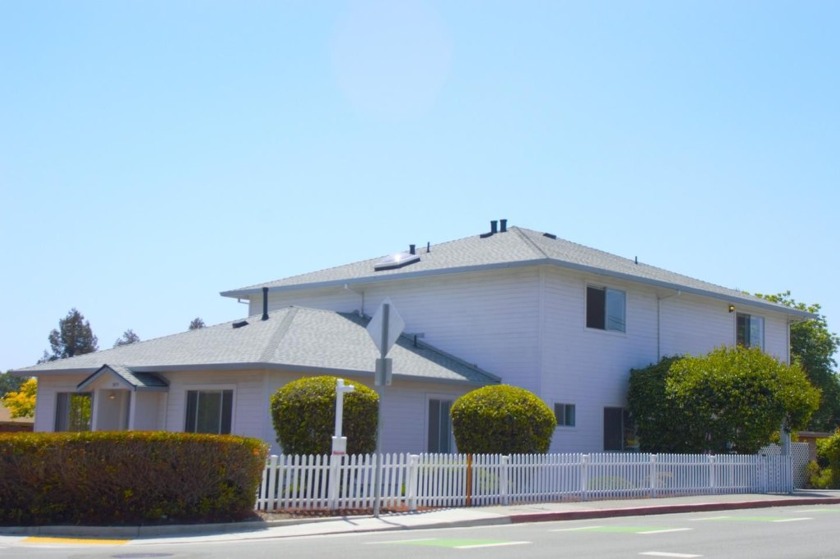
[
  {"x": 265, "y": 303},
  {"x": 502, "y": 226},
  {"x": 493, "y": 230},
  {"x": 412, "y": 249}
]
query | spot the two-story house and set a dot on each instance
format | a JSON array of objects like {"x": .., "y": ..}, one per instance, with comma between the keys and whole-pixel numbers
[{"x": 509, "y": 305}]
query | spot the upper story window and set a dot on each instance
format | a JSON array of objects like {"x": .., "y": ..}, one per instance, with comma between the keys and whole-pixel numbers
[
  {"x": 749, "y": 330},
  {"x": 605, "y": 309}
]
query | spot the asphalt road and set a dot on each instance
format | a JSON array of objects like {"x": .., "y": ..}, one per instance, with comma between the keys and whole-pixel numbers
[{"x": 784, "y": 532}]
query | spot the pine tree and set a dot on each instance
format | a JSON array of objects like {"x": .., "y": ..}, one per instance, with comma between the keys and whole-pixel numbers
[{"x": 72, "y": 337}]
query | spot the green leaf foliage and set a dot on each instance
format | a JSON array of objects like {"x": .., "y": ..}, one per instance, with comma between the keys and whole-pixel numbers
[
  {"x": 653, "y": 413},
  {"x": 830, "y": 449},
  {"x": 502, "y": 419},
  {"x": 303, "y": 413},
  {"x": 732, "y": 399},
  {"x": 813, "y": 346},
  {"x": 129, "y": 477}
]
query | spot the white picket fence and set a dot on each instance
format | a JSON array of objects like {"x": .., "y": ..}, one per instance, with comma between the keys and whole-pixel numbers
[{"x": 418, "y": 481}]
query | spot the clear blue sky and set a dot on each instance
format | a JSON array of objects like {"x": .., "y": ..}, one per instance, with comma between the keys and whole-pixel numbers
[{"x": 155, "y": 153}]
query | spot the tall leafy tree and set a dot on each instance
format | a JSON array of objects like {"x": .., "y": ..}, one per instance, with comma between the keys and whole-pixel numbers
[
  {"x": 72, "y": 337},
  {"x": 196, "y": 323},
  {"x": 9, "y": 383},
  {"x": 813, "y": 346},
  {"x": 128, "y": 337},
  {"x": 21, "y": 403}
]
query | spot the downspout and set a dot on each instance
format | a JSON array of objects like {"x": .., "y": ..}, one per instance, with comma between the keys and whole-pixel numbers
[{"x": 361, "y": 295}]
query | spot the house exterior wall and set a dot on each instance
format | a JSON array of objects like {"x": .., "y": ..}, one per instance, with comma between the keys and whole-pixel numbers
[
  {"x": 146, "y": 415},
  {"x": 45, "y": 401},
  {"x": 403, "y": 406},
  {"x": 488, "y": 319},
  {"x": 249, "y": 400},
  {"x": 528, "y": 326}
]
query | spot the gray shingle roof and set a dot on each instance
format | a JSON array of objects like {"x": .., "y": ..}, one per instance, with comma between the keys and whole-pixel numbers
[
  {"x": 514, "y": 248},
  {"x": 294, "y": 338},
  {"x": 138, "y": 381}
]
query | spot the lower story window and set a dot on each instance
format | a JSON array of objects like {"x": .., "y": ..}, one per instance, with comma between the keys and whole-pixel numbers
[
  {"x": 565, "y": 415},
  {"x": 73, "y": 411},
  {"x": 209, "y": 411},
  {"x": 618, "y": 430},
  {"x": 440, "y": 426}
]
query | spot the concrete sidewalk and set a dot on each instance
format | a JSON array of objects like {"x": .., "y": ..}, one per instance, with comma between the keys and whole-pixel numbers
[{"x": 458, "y": 517}]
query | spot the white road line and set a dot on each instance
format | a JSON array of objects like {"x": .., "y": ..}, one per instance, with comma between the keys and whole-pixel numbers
[
  {"x": 401, "y": 541},
  {"x": 499, "y": 544},
  {"x": 666, "y": 554},
  {"x": 578, "y": 529},
  {"x": 793, "y": 519},
  {"x": 665, "y": 531}
]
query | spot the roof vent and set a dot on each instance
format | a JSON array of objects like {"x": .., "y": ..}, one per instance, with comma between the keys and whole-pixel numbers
[
  {"x": 550, "y": 235},
  {"x": 265, "y": 303},
  {"x": 240, "y": 324},
  {"x": 493, "y": 230},
  {"x": 502, "y": 226},
  {"x": 398, "y": 260}
]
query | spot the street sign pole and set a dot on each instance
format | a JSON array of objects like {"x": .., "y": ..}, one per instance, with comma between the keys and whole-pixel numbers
[
  {"x": 384, "y": 328},
  {"x": 381, "y": 374}
]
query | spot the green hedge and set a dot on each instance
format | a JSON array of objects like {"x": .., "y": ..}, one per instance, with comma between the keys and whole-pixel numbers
[
  {"x": 502, "y": 419},
  {"x": 130, "y": 477}
]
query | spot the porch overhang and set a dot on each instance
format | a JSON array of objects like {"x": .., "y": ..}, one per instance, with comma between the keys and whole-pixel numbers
[{"x": 131, "y": 380}]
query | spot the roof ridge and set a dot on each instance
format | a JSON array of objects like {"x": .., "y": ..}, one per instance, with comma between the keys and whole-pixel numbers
[
  {"x": 521, "y": 232},
  {"x": 420, "y": 344},
  {"x": 280, "y": 332}
]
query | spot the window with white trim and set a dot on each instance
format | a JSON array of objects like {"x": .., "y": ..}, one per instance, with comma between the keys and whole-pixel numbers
[
  {"x": 73, "y": 411},
  {"x": 749, "y": 330},
  {"x": 565, "y": 414},
  {"x": 605, "y": 309},
  {"x": 440, "y": 426},
  {"x": 209, "y": 411}
]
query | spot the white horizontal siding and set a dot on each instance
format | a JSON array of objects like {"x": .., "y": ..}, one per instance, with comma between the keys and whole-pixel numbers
[
  {"x": 588, "y": 367},
  {"x": 45, "y": 399},
  {"x": 249, "y": 403},
  {"x": 487, "y": 319}
]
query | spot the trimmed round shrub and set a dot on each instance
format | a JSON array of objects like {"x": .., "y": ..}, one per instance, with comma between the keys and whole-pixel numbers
[
  {"x": 303, "y": 413},
  {"x": 502, "y": 419}
]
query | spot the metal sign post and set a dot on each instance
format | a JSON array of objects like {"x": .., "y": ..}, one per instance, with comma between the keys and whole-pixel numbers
[{"x": 384, "y": 328}]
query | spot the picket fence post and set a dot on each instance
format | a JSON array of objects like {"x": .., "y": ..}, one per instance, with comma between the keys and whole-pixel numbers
[
  {"x": 584, "y": 476},
  {"x": 332, "y": 499},
  {"x": 653, "y": 476},
  {"x": 712, "y": 473},
  {"x": 504, "y": 464},
  {"x": 413, "y": 477}
]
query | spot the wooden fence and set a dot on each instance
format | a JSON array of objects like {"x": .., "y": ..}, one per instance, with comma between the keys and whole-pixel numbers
[{"x": 416, "y": 481}]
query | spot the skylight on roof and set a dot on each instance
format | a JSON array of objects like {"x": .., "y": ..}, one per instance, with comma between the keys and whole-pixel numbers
[{"x": 394, "y": 261}]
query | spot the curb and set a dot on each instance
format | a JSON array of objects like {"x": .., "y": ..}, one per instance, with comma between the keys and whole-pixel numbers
[
  {"x": 257, "y": 526},
  {"x": 667, "y": 509}
]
